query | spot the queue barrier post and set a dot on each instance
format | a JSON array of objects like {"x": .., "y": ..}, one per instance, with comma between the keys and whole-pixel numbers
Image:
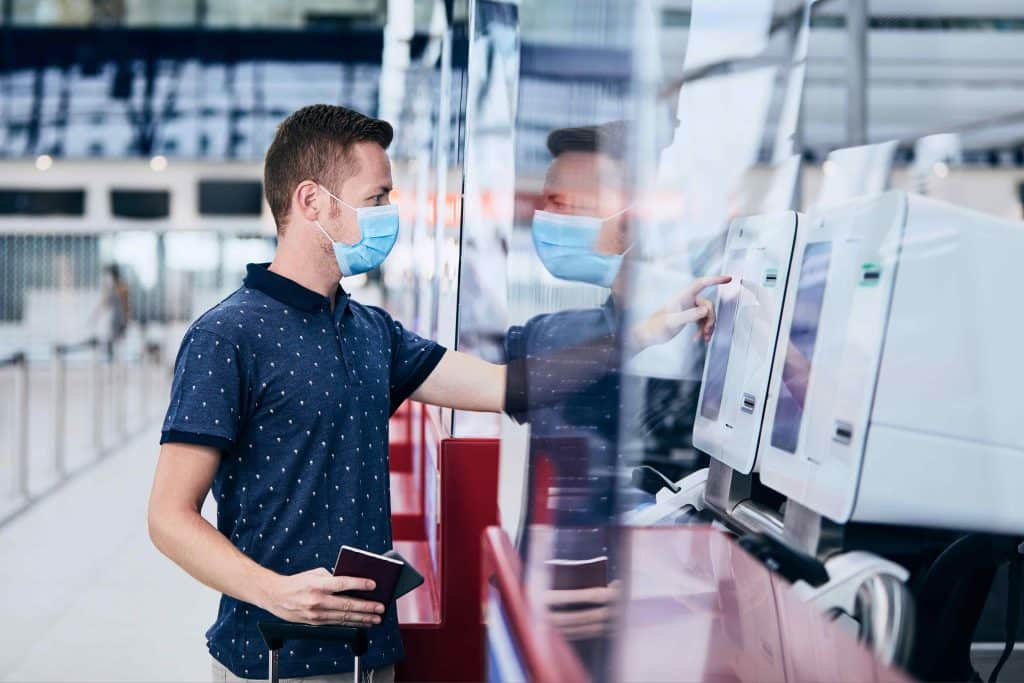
[
  {"x": 60, "y": 400},
  {"x": 119, "y": 393},
  {"x": 20, "y": 360},
  {"x": 98, "y": 414},
  {"x": 143, "y": 379},
  {"x": 60, "y": 418},
  {"x": 19, "y": 443}
]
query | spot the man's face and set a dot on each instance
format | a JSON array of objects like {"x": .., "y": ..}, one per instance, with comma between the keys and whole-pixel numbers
[
  {"x": 589, "y": 184},
  {"x": 369, "y": 186}
]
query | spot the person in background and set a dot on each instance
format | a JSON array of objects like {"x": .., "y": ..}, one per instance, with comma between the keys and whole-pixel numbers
[{"x": 115, "y": 301}]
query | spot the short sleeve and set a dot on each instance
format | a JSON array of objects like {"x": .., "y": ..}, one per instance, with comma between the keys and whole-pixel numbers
[
  {"x": 413, "y": 358},
  {"x": 557, "y": 357},
  {"x": 516, "y": 374},
  {"x": 206, "y": 394}
]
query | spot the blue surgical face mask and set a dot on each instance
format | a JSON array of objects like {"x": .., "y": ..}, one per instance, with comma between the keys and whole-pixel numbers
[
  {"x": 565, "y": 245},
  {"x": 378, "y": 230}
]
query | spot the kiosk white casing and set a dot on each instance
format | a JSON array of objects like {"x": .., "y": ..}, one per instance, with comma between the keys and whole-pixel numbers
[
  {"x": 912, "y": 411},
  {"x": 730, "y": 410}
]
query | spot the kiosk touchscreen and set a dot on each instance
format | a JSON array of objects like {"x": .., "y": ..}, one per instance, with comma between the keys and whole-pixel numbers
[
  {"x": 895, "y": 396},
  {"x": 739, "y": 359}
]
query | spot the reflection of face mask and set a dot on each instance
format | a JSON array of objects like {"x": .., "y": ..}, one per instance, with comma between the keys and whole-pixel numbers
[
  {"x": 565, "y": 245},
  {"x": 378, "y": 230}
]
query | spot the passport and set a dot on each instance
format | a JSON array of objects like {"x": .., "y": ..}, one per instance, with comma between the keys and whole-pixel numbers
[
  {"x": 384, "y": 571},
  {"x": 579, "y": 574}
]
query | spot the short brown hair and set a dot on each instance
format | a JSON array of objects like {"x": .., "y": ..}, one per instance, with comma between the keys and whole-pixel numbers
[
  {"x": 604, "y": 138},
  {"x": 309, "y": 144}
]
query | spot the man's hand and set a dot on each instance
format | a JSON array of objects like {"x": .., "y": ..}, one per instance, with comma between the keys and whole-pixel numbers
[
  {"x": 687, "y": 307},
  {"x": 584, "y": 612},
  {"x": 309, "y": 598}
]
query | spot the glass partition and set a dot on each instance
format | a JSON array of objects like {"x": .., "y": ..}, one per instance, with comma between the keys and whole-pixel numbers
[
  {"x": 643, "y": 132},
  {"x": 488, "y": 193},
  {"x": 568, "y": 234},
  {"x": 719, "y": 94}
]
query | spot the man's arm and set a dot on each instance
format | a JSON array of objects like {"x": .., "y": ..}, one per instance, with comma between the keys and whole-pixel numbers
[
  {"x": 184, "y": 474},
  {"x": 464, "y": 382}
]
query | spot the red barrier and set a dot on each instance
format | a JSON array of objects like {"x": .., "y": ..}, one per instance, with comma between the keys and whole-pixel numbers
[
  {"x": 400, "y": 428},
  {"x": 450, "y": 494},
  {"x": 546, "y": 656}
]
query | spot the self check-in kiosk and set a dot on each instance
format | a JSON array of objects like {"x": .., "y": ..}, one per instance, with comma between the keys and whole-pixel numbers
[
  {"x": 739, "y": 359},
  {"x": 738, "y": 366},
  {"x": 895, "y": 395},
  {"x": 769, "y": 263}
]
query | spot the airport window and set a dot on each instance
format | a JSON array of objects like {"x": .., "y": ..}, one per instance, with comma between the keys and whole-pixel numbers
[
  {"x": 230, "y": 197},
  {"x": 19, "y": 202},
  {"x": 142, "y": 204}
]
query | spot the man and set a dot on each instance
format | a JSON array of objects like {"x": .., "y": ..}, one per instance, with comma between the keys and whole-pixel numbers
[
  {"x": 114, "y": 297},
  {"x": 280, "y": 402}
]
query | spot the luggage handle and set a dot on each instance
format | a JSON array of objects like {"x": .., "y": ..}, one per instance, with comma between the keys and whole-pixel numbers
[{"x": 276, "y": 632}]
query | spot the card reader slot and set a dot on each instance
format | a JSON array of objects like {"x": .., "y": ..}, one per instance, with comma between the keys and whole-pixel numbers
[
  {"x": 843, "y": 432},
  {"x": 871, "y": 276}
]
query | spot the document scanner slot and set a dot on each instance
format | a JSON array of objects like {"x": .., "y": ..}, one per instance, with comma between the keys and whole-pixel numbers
[{"x": 843, "y": 432}]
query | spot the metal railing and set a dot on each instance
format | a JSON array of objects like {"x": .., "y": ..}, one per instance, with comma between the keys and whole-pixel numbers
[{"x": 68, "y": 413}]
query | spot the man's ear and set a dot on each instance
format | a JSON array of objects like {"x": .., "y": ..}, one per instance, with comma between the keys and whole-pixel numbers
[{"x": 306, "y": 200}]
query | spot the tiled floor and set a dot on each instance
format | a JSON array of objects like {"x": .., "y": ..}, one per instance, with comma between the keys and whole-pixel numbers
[{"x": 86, "y": 596}]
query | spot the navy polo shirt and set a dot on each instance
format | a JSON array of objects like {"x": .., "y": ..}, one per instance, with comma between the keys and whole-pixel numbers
[{"x": 297, "y": 399}]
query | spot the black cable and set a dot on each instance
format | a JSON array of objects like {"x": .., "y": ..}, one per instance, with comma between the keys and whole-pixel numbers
[{"x": 1012, "y": 614}]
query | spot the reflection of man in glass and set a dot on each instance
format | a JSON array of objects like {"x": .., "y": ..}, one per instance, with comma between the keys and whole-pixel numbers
[
  {"x": 580, "y": 234},
  {"x": 563, "y": 373}
]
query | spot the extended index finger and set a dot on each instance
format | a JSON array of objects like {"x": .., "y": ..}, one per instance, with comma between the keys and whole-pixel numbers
[{"x": 703, "y": 283}]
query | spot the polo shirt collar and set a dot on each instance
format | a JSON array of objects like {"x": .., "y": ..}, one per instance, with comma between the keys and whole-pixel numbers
[{"x": 259, "y": 276}]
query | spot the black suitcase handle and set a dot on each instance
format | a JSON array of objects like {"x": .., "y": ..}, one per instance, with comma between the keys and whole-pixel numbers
[{"x": 276, "y": 632}]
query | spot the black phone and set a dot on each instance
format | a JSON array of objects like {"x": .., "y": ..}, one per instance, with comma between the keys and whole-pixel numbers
[{"x": 409, "y": 579}]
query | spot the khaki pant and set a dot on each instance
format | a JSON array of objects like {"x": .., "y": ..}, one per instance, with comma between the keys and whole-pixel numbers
[{"x": 382, "y": 675}]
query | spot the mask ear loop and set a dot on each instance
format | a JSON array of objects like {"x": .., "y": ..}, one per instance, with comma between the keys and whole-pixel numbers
[
  {"x": 326, "y": 234},
  {"x": 615, "y": 215},
  {"x": 336, "y": 196},
  {"x": 339, "y": 199}
]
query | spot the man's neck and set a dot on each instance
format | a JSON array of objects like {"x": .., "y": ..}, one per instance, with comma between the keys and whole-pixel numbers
[{"x": 297, "y": 268}]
